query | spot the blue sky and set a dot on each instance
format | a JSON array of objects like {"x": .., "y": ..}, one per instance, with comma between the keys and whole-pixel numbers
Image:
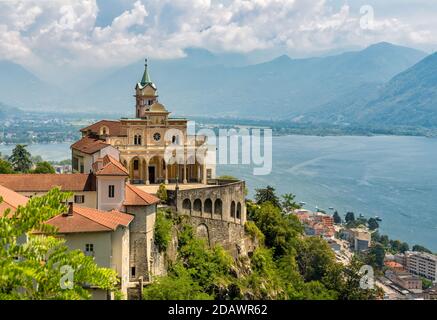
[{"x": 51, "y": 35}]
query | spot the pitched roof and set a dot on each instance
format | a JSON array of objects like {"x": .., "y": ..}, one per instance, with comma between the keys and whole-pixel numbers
[
  {"x": 112, "y": 167},
  {"x": 137, "y": 197},
  {"x": 46, "y": 182},
  {"x": 90, "y": 220},
  {"x": 89, "y": 145},
  {"x": 115, "y": 128},
  {"x": 11, "y": 200}
]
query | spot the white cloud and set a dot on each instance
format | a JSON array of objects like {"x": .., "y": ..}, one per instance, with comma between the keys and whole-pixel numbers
[{"x": 64, "y": 32}]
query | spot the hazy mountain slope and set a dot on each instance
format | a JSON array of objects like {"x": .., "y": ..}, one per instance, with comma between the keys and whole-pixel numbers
[
  {"x": 19, "y": 87},
  {"x": 7, "y": 111},
  {"x": 205, "y": 84},
  {"x": 201, "y": 85},
  {"x": 410, "y": 98}
]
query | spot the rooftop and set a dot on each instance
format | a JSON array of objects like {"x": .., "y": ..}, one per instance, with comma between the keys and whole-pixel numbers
[
  {"x": 89, "y": 145},
  {"x": 112, "y": 167},
  {"x": 11, "y": 200},
  {"x": 135, "y": 196},
  {"x": 80, "y": 219},
  {"x": 23, "y": 182},
  {"x": 115, "y": 128}
]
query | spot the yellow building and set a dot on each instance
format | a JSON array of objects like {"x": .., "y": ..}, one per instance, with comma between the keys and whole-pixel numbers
[{"x": 144, "y": 140}]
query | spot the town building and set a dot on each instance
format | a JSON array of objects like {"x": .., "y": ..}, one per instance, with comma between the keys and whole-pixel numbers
[
  {"x": 430, "y": 293},
  {"x": 405, "y": 280},
  {"x": 422, "y": 264},
  {"x": 102, "y": 235},
  {"x": 316, "y": 223},
  {"x": 359, "y": 238},
  {"x": 101, "y": 194}
]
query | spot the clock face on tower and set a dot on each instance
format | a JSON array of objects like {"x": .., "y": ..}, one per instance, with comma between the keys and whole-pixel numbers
[{"x": 157, "y": 136}]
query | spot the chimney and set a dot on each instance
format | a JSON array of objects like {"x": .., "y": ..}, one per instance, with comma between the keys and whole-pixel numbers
[{"x": 70, "y": 210}]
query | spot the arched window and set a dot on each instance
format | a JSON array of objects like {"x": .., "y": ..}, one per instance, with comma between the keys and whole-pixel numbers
[
  {"x": 207, "y": 206},
  {"x": 104, "y": 130},
  {"x": 197, "y": 206},
  {"x": 239, "y": 210},
  {"x": 218, "y": 206},
  {"x": 186, "y": 206},
  {"x": 137, "y": 140},
  {"x": 233, "y": 209}
]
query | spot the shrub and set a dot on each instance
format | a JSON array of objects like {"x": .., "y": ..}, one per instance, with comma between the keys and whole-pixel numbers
[
  {"x": 162, "y": 193},
  {"x": 163, "y": 228},
  {"x": 254, "y": 231}
]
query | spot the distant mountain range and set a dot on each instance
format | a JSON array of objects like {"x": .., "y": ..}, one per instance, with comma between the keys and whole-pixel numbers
[
  {"x": 410, "y": 98},
  {"x": 383, "y": 84}
]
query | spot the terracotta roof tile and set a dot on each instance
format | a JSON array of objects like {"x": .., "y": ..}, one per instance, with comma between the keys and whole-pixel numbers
[
  {"x": 89, "y": 145},
  {"x": 45, "y": 182},
  {"x": 90, "y": 220},
  {"x": 112, "y": 167},
  {"x": 11, "y": 200},
  {"x": 116, "y": 128},
  {"x": 137, "y": 197}
]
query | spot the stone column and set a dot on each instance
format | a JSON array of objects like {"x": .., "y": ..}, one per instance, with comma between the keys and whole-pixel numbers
[
  {"x": 166, "y": 173},
  {"x": 204, "y": 173},
  {"x": 147, "y": 171},
  {"x": 185, "y": 171}
]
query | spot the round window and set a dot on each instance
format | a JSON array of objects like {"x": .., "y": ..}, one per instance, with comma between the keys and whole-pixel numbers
[{"x": 157, "y": 136}]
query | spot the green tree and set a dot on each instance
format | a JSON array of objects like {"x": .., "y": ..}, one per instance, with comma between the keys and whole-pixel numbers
[
  {"x": 373, "y": 224},
  {"x": 404, "y": 247},
  {"x": 426, "y": 283},
  {"x": 384, "y": 240},
  {"x": 420, "y": 248},
  {"x": 314, "y": 258},
  {"x": 288, "y": 203},
  {"x": 35, "y": 269},
  {"x": 163, "y": 230},
  {"x": 21, "y": 159},
  {"x": 350, "y": 217},
  {"x": 345, "y": 280},
  {"x": 179, "y": 285},
  {"x": 5, "y": 167},
  {"x": 267, "y": 195},
  {"x": 375, "y": 256},
  {"x": 162, "y": 193},
  {"x": 281, "y": 231},
  {"x": 337, "y": 218},
  {"x": 399, "y": 246},
  {"x": 264, "y": 282},
  {"x": 43, "y": 167}
]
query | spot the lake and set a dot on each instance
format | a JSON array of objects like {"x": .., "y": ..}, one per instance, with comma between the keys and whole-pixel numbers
[{"x": 392, "y": 177}]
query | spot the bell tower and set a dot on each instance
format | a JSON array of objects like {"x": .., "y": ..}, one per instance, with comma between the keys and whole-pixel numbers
[{"x": 146, "y": 94}]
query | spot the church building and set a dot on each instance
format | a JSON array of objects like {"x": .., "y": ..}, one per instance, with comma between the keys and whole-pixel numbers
[{"x": 143, "y": 140}]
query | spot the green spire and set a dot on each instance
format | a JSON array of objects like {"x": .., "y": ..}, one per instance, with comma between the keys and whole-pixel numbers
[{"x": 146, "y": 78}]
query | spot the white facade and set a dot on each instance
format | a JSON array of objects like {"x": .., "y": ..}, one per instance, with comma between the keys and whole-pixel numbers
[
  {"x": 110, "y": 192},
  {"x": 422, "y": 264}
]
